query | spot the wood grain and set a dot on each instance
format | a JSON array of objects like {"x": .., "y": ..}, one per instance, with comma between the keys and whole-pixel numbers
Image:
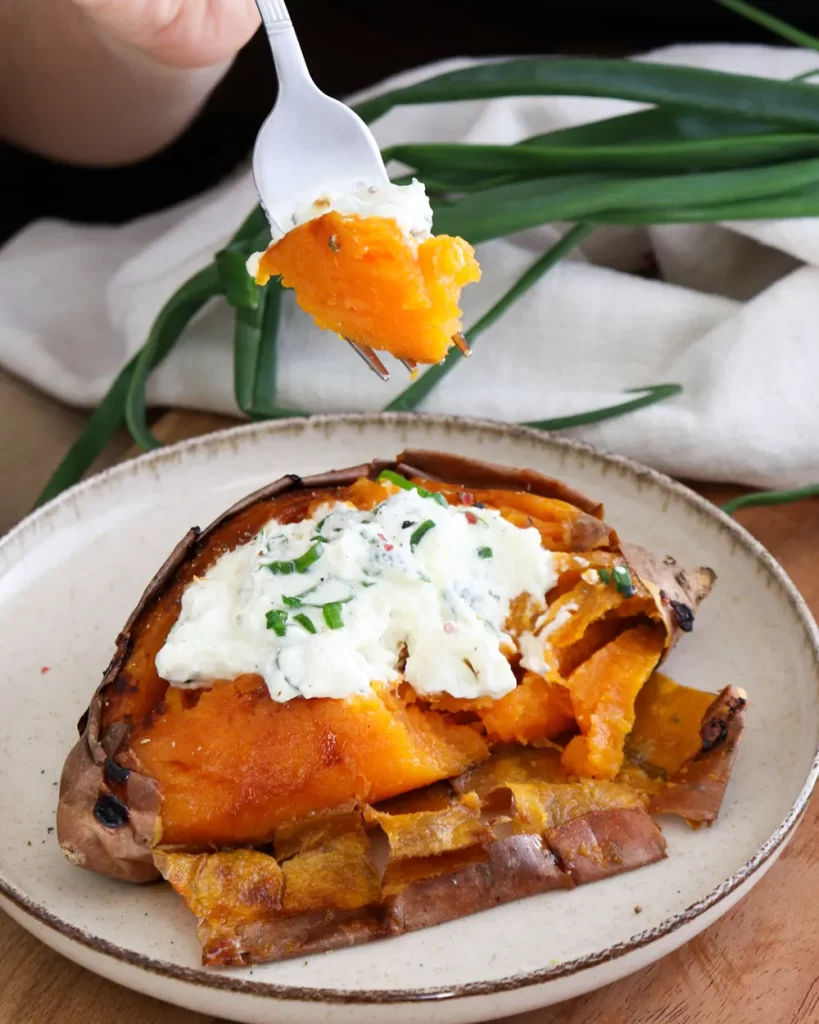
[{"x": 758, "y": 965}]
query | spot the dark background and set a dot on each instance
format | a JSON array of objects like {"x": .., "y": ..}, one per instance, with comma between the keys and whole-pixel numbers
[{"x": 350, "y": 44}]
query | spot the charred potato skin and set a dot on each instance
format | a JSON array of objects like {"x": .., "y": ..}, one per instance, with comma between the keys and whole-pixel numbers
[
  {"x": 108, "y": 815},
  {"x": 697, "y": 790}
]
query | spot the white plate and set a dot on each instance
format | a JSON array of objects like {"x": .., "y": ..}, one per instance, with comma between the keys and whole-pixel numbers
[{"x": 69, "y": 576}]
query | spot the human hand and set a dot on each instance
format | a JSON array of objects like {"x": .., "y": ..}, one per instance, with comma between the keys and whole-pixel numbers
[{"x": 177, "y": 33}]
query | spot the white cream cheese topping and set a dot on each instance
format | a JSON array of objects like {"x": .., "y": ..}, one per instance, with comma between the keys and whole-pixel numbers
[
  {"x": 407, "y": 205},
  {"x": 533, "y": 646},
  {"x": 327, "y": 606}
]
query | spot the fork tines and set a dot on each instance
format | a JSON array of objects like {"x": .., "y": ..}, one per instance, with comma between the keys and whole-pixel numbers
[
  {"x": 460, "y": 342},
  {"x": 375, "y": 364},
  {"x": 370, "y": 358}
]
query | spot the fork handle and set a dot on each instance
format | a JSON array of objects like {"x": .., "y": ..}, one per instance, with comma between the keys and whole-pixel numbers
[
  {"x": 284, "y": 45},
  {"x": 274, "y": 15}
]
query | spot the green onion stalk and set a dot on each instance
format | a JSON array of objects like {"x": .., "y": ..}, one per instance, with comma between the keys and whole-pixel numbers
[{"x": 712, "y": 146}]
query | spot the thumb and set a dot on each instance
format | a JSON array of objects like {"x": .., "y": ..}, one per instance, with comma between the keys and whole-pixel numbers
[{"x": 181, "y": 33}]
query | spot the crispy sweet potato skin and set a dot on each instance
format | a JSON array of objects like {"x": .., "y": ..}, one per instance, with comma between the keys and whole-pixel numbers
[{"x": 251, "y": 908}]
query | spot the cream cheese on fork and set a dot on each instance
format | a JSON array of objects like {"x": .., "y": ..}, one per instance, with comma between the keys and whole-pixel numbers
[
  {"x": 327, "y": 606},
  {"x": 407, "y": 205}
]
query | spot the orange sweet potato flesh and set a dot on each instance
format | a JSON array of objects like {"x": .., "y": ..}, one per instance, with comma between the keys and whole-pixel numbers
[
  {"x": 237, "y": 764},
  {"x": 233, "y": 764},
  {"x": 541, "y": 807},
  {"x": 536, "y": 709},
  {"x": 431, "y": 833},
  {"x": 604, "y": 690},
  {"x": 338, "y": 874},
  {"x": 233, "y": 886},
  {"x": 667, "y": 723},
  {"x": 509, "y": 764},
  {"x": 361, "y": 278}
]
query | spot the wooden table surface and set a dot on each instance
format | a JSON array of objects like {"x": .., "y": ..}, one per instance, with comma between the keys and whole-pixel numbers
[{"x": 758, "y": 965}]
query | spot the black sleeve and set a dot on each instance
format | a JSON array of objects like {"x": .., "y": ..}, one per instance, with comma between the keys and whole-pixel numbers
[{"x": 350, "y": 45}]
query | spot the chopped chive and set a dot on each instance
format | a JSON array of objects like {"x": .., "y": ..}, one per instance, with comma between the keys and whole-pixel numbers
[
  {"x": 276, "y": 621},
  {"x": 421, "y": 532},
  {"x": 306, "y": 621},
  {"x": 318, "y": 534},
  {"x": 605, "y": 575},
  {"x": 622, "y": 580},
  {"x": 368, "y": 583},
  {"x": 300, "y": 564},
  {"x": 484, "y": 552},
  {"x": 332, "y": 615},
  {"x": 389, "y": 476},
  {"x": 292, "y": 602}
]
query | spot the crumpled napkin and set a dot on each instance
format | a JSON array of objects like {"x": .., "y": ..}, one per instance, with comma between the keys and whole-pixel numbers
[{"x": 734, "y": 320}]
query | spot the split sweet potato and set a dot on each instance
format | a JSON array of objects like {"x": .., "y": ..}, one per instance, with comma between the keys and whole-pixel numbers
[{"x": 295, "y": 827}]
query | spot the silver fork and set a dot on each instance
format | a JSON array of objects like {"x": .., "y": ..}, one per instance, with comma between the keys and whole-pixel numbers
[{"x": 310, "y": 144}]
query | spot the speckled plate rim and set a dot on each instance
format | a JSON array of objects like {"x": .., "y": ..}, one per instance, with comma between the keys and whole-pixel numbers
[{"x": 700, "y": 505}]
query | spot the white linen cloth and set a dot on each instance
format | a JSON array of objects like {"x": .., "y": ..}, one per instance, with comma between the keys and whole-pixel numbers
[{"x": 735, "y": 319}]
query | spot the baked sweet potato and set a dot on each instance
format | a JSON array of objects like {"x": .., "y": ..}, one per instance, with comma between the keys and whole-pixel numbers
[{"x": 296, "y": 825}]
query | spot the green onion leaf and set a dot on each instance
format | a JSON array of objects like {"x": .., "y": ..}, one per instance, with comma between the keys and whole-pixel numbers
[
  {"x": 622, "y": 581},
  {"x": 605, "y": 575},
  {"x": 300, "y": 564},
  {"x": 666, "y": 85},
  {"x": 332, "y": 615},
  {"x": 95, "y": 435},
  {"x": 421, "y": 532},
  {"x": 255, "y": 224},
  {"x": 484, "y": 552},
  {"x": 292, "y": 602},
  {"x": 773, "y": 24},
  {"x": 649, "y": 395},
  {"x": 450, "y": 166},
  {"x": 276, "y": 621},
  {"x": 496, "y": 212},
  {"x": 305, "y": 621},
  {"x": 771, "y": 498},
  {"x": 239, "y": 288},
  {"x": 171, "y": 321}
]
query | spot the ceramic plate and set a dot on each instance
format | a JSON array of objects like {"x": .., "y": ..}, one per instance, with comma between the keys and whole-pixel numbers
[{"x": 71, "y": 573}]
